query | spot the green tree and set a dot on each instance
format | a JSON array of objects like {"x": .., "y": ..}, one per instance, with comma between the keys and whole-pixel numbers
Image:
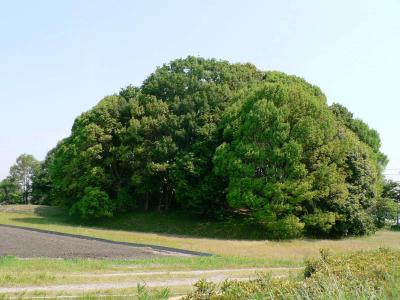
[
  {"x": 95, "y": 203},
  {"x": 9, "y": 192},
  {"x": 152, "y": 152},
  {"x": 391, "y": 191},
  {"x": 208, "y": 136},
  {"x": 93, "y": 155},
  {"x": 22, "y": 173},
  {"x": 196, "y": 91},
  {"x": 289, "y": 162},
  {"x": 366, "y": 134},
  {"x": 42, "y": 185},
  {"x": 269, "y": 138},
  {"x": 152, "y": 147}
]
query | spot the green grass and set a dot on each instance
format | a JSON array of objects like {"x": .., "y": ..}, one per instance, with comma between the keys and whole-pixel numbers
[
  {"x": 15, "y": 272},
  {"x": 42, "y": 271},
  {"x": 140, "y": 292}
]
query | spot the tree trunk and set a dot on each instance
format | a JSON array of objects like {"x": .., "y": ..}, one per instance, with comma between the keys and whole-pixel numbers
[
  {"x": 159, "y": 204},
  {"x": 146, "y": 202}
]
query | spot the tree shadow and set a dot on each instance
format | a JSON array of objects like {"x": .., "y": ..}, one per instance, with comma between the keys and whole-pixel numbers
[
  {"x": 38, "y": 221},
  {"x": 174, "y": 224},
  {"x": 49, "y": 211},
  {"x": 168, "y": 224}
]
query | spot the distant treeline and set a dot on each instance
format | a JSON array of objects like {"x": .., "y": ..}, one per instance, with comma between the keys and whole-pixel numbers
[{"x": 215, "y": 138}]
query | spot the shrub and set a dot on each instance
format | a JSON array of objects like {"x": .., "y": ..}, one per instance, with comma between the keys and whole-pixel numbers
[
  {"x": 361, "y": 275},
  {"x": 287, "y": 228},
  {"x": 94, "y": 204},
  {"x": 320, "y": 223}
]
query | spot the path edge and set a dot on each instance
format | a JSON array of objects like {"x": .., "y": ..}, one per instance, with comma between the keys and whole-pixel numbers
[{"x": 90, "y": 238}]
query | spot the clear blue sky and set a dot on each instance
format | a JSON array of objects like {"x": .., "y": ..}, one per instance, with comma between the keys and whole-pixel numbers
[{"x": 59, "y": 58}]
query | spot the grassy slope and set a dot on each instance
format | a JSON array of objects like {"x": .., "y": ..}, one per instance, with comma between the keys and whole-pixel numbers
[{"x": 138, "y": 229}]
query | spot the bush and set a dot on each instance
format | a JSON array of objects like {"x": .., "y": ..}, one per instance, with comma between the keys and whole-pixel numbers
[
  {"x": 94, "y": 204},
  {"x": 287, "y": 228},
  {"x": 320, "y": 223}
]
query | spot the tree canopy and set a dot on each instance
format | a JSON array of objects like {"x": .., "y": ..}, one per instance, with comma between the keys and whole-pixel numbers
[
  {"x": 213, "y": 138},
  {"x": 17, "y": 187}
]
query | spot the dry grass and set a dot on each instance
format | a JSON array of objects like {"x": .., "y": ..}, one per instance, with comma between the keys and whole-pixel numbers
[{"x": 361, "y": 275}]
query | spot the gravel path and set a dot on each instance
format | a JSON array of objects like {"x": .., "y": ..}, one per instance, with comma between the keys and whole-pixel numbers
[
  {"x": 215, "y": 276},
  {"x": 193, "y": 272},
  {"x": 86, "y": 287},
  {"x": 24, "y": 242}
]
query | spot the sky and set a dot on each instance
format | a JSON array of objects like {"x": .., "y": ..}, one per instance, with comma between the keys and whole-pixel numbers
[{"x": 59, "y": 58}]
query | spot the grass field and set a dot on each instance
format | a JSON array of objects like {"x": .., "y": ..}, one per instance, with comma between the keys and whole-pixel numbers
[
  {"x": 134, "y": 228},
  {"x": 170, "y": 230}
]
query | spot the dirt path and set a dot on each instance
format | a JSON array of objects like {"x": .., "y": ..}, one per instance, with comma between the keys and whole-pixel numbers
[
  {"x": 26, "y": 243},
  {"x": 107, "y": 286},
  {"x": 194, "y": 272},
  {"x": 216, "y": 276}
]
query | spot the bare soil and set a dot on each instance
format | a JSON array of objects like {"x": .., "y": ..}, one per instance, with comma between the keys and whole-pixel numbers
[{"x": 27, "y": 243}]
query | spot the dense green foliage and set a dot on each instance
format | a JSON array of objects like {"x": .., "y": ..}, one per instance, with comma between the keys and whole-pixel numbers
[
  {"x": 153, "y": 147},
  {"x": 362, "y": 275},
  {"x": 17, "y": 187},
  {"x": 391, "y": 191},
  {"x": 9, "y": 192},
  {"x": 213, "y": 138},
  {"x": 367, "y": 135},
  {"x": 294, "y": 164}
]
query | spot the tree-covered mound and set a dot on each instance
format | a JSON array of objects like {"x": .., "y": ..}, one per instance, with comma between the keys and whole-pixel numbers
[{"x": 214, "y": 138}]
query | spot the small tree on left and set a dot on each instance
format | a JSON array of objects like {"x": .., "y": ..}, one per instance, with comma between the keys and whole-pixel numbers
[
  {"x": 8, "y": 191},
  {"x": 21, "y": 176}
]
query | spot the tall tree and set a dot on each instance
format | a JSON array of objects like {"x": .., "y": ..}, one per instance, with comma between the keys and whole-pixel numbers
[
  {"x": 22, "y": 173},
  {"x": 152, "y": 147},
  {"x": 92, "y": 158},
  {"x": 291, "y": 164},
  {"x": 391, "y": 190},
  {"x": 366, "y": 134},
  {"x": 197, "y": 91},
  {"x": 42, "y": 185}
]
